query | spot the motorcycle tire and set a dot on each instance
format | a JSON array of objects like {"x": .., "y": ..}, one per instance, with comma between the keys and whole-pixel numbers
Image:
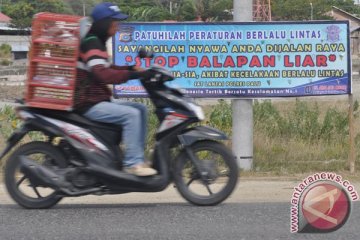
[
  {"x": 221, "y": 173},
  {"x": 53, "y": 158}
]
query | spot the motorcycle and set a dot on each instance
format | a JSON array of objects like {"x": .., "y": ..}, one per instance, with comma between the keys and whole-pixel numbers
[{"x": 81, "y": 157}]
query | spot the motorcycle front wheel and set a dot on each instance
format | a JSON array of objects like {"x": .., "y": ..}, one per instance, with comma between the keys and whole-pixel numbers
[
  {"x": 219, "y": 172},
  {"x": 18, "y": 184}
]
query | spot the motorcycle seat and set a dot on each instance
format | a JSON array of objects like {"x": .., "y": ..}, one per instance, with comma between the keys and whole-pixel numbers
[{"x": 72, "y": 117}]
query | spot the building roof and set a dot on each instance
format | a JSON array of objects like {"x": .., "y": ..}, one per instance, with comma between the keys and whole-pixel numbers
[
  {"x": 5, "y": 28},
  {"x": 348, "y": 15},
  {"x": 354, "y": 29},
  {"x": 4, "y": 18},
  {"x": 19, "y": 47}
]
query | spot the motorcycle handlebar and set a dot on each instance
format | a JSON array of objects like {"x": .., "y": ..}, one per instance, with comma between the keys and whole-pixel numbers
[
  {"x": 159, "y": 73},
  {"x": 145, "y": 54}
]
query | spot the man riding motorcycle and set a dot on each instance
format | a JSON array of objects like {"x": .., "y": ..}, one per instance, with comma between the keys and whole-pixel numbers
[
  {"x": 79, "y": 157},
  {"x": 93, "y": 97}
]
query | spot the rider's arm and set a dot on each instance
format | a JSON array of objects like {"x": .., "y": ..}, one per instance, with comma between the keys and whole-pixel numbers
[
  {"x": 95, "y": 56},
  {"x": 130, "y": 68},
  {"x": 109, "y": 75}
]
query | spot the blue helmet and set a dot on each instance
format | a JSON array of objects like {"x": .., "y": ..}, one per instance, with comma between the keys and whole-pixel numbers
[{"x": 107, "y": 10}]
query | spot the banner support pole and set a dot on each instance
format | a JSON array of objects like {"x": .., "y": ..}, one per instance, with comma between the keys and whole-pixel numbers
[
  {"x": 351, "y": 134},
  {"x": 242, "y": 116}
]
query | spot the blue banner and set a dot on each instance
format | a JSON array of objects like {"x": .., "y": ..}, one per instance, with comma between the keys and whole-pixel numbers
[{"x": 239, "y": 60}]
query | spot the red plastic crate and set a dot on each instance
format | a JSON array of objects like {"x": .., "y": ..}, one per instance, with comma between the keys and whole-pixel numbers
[{"x": 52, "y": 61}]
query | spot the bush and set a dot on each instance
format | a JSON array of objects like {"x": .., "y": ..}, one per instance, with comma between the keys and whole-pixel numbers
[
  {"x": 5, "y": 51},
  {"x": 303, "y": 122},
  {"x": 294, "y": 136},
  {"x": 300, "y": 137},
  {"x": 8, "y": 121},
  {"x": 5, "y": 62},
  {"x": 289, "y": 137},
  {"x": 221, "y": 116}
]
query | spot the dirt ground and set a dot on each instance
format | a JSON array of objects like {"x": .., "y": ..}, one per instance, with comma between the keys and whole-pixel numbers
[{"x": 10, "y": 93}]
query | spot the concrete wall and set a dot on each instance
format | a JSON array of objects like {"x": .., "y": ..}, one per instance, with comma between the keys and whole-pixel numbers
[
  {"x": 356, "y": 69},
  {"x": 355, "y": 43},
  {"x": 17, "y": 43},
  {"x": 15, "y": 40},
  {"x": 13, "y": 75}
]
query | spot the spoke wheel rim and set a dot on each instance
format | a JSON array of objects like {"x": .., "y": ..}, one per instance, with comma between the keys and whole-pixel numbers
[
  {"x": 215, "y": 183},
  {"x": 24, "y": 185}
]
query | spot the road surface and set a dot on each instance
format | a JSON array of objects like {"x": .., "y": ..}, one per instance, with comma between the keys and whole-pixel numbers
[{"x": 258, "y": 209}]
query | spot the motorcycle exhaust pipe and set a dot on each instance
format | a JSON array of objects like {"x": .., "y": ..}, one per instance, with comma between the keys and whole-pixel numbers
[{"x": 40, "y": 175}]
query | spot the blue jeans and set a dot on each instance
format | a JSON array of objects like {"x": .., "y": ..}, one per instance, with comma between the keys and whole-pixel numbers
[{"x": 132, "y": 117}]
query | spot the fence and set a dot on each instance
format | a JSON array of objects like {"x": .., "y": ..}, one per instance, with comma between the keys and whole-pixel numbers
[{"x": 12, "y": 76}]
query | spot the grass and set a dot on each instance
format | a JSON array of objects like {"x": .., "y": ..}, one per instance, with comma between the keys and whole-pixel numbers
[
  {"x": 291, "y": 137},
  {"x": 296, "y": 137}
]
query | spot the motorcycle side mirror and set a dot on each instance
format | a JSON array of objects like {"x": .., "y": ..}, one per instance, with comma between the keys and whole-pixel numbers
[{"x": 145, "y": 54}]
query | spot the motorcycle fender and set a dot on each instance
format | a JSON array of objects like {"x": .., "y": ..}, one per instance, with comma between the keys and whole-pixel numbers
[
  {"x": 14, "y": 139},
  {"x": 191, "y": 135}
]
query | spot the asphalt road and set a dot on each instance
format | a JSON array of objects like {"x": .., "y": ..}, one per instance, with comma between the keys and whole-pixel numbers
[
  {"x": 257, "y": 210},
  {"x": 160, "y": 221}
]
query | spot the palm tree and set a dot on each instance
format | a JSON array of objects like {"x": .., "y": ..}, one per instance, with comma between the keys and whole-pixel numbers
[{"x": 213, "y": 10}]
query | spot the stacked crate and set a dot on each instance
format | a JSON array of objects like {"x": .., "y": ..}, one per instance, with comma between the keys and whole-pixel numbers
[{"x": 52, "y": 61}]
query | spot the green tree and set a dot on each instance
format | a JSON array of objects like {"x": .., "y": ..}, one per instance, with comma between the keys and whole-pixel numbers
[
  {"x": 186, "y": 11},
  {"x": 213, "y": 10},
  {"x": 54, "y": 6},
  {"x": 348, "y": 6},
  {"x": 22, "y": 11},
  {"x": 21, "y": 14},
  {"x": 145, "y": 10},
  {"x": 78, "y": 7},
  {"x": 150, "y": 14},
  {"x": 301, "y": 10},
  {"x": 220, "y": 10}
]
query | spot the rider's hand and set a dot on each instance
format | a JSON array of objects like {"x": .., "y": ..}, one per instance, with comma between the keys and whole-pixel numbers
[
  {"x": 135, "y": 68},
  {"x": 138, "y": 69},
  {"x": 147, "y": 74}
]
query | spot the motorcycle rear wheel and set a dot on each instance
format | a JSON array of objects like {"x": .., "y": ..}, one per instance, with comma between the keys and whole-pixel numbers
[
  {"x": 17, "y": 183},
  {"x": 220, "y": 170}
]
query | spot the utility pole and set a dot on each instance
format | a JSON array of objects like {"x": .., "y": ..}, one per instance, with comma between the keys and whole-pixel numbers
[
  {"x": 312, "y": 11},
  {"x": 84, "y": 10},
  {"x": 242, "y": 129}
]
